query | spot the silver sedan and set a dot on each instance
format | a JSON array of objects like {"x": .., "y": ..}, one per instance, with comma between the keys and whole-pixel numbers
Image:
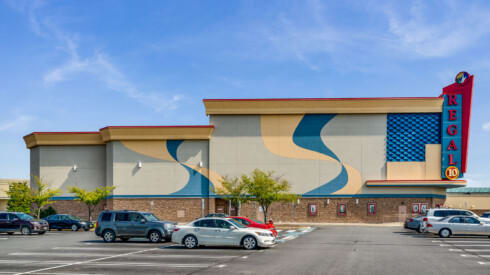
[{"x": 456, "y": 225}]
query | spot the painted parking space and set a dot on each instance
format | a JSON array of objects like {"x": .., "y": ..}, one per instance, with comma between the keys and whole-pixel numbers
[
  {"x": 473, "y": 248},
  {"x": 136, "y": 256}
]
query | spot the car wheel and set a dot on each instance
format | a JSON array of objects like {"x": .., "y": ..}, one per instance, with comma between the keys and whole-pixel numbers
[
  {"x": 445, "y": 233},
  {"x": 59, "y": 229},
  {"x": 249, "y": 243},
  {"x": 25, "y": 230},
  {"x": 124, "y": 239},
  {"x": 190, "y": 242},
  {"x": 419, "y": 229},
  {"x": 155, "y": 236},
  {"x": 74, "y": 227},
  {"x": 109, "y": 236},
  {"x": 41, "y": 232},
  {"x": 10, "y": 233}
]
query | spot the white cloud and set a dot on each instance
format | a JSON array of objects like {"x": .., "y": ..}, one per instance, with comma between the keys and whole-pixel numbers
[
  {"x": 486, "y": 127},
  {"x": 18, "y": 123},
  {"x": 418, "y": 33},
  {"x": 97, "y": 65},
  {"x": 477, "y": 180}
]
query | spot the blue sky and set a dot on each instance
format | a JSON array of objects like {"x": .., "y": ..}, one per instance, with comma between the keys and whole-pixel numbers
[{"x": 83, "y": 65}]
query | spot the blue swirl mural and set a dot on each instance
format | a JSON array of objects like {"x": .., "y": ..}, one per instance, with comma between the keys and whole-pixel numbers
[
  {"x": 308, "y": 136},
  {"x": 198, "y": 184}
]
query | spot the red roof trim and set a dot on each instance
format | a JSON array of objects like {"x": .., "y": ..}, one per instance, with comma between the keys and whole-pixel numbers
[
  {"x": 316, "y": 99},
  {"x": 170, "y": 126},
  {"x": 415, "y": 180}
]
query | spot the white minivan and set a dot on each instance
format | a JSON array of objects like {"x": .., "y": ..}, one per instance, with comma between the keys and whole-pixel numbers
[{"x": 221, "y": 232}]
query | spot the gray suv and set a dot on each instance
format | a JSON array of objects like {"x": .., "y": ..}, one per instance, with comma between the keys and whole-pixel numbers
[{"x": 126, "y": 224}]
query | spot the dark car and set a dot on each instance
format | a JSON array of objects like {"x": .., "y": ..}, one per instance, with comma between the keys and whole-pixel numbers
[
  {"x": 126, "y": 224},
  {"x": 485, "y": 215},
  {"x": 414, "y": 223},
  {"x": 64, "y": 221},
  {"x": 11, "y": 222}
]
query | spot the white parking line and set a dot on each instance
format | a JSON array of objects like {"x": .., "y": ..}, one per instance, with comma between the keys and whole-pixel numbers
[
  {"x": 456, "y": 250},
  {"x": 475, "y": 256},
  {"x": 462, "y": 241},
  {"x": 289, "y": 231},
  {"x": 484, "y": 263},
  {"x": 4, "y": 238},
  {"x": 461, "y": 245},
  {"x": 77, "y": 255},
  {"x": 84, "y": 262},
  {"x": 96, "y": 248},
  {"x": 279, "y": 230},
  {"x": 477, "y": 250}
]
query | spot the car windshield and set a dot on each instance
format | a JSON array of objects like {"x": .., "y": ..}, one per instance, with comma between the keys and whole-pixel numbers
[
  {"x": 74, "y": 218},
  {"x": 150, "y": 217},
  {"x": 25, "y": 217},
  {"x": 257, "y": 221},
  {"x": 237, "y": 224}
]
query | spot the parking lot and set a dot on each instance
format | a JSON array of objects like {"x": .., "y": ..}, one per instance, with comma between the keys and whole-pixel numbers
[{"x": 323, "y": 250}]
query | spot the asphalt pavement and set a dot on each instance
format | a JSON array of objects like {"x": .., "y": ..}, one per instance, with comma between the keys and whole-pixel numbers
[{"x": 324, "y": 250}]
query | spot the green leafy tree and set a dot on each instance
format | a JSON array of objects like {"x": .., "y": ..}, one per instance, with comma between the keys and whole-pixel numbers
[
  {"x": 91, "y": 198},
  {"x": 41, "y": 196},
  {"x": 265, "y": 189},
  {"x": 20, "y": 198},
  {"x": 234, "y": 191}
]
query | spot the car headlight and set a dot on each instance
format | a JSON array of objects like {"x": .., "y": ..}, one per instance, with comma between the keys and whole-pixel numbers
[
  {"x": 168, "y": 226},
  {"x": 36, "y": 224},
  {"x": 264, "y": 234}
]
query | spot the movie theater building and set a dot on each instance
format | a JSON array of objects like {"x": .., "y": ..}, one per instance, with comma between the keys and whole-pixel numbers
[{"x": 350, "y": 159}]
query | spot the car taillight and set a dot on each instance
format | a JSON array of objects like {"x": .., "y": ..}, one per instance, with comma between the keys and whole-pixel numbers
[
  {"x": 426, "y": 220},
  {"x": 96, "y": 223},
  {"x": 410, "y": 220},
  {"x": 176, "y": 229},
  {"x": 429, "y": 225}
]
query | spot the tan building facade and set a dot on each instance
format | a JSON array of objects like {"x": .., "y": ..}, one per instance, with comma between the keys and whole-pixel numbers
[
  {"x": 4, "y": 187},
  {"x": 350, "y": 160},
  {"x": 476, "y": 199}
]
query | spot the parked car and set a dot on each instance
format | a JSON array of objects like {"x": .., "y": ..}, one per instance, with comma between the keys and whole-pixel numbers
[
  {"x": 11, "y": 222},
  {"x": 454, "y": 225},
  {"x": 221, "y": 232},
  {"x": 414, "y": 223},
  {"x": 126, "y": 224},
  {"x": 256, "y": 224},
  {"x": 435, "y": 214},
  {"x": 64, "y": 221},
  {"x": 485, "y": 215},
  {"x": 216, "y": 215}
]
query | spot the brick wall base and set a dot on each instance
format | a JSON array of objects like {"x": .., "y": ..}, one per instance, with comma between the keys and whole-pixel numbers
[
  {"x": 77, "y": 208},
  {"x": 188, "y": 209}
]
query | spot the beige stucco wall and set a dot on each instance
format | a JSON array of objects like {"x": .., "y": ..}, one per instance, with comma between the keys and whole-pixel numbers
[
  {"x": 240, "y": 144},
  {"x": 160, "y": 173},
  {"x": 468, "y": 201},
  {"x": 54, "y": 165}
]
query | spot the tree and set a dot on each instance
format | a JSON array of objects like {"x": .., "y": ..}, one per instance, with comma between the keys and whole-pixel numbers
[
  {"x": 41, "y": 196},
  {"x": 233, "y": 190},
  {"x": 20, "y": 198},
  {"x": 265, "y": 189},
  {"x": 91, "y": 198}
]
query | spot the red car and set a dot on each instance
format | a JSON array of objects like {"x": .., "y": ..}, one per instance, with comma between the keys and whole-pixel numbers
[{"x": 257, "y": 224}]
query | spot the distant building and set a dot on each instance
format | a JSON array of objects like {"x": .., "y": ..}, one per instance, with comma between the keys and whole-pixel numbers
[
  {"x": 476, "y": 199},
  {"x": 4, "y": 187},
  {"x": 350, "y": 159}
]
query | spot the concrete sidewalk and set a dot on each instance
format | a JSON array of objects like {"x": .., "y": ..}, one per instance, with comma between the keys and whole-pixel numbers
[{"x": 286, "y": 224}]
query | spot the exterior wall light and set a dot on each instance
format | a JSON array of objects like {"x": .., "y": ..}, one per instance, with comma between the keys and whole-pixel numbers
[
  {"x": 357, "y": 201},
  {"x": 328, "y": 201},
  {"x": 75, "y": 168},
  {"x": 200, "y": 164},
  {"x": 140, "y": 164}
]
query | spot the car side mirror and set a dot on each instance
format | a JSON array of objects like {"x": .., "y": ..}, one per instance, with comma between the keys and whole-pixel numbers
[
  {"x": 142, "y": 221},
  {"x": 232, "y": 227}
]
